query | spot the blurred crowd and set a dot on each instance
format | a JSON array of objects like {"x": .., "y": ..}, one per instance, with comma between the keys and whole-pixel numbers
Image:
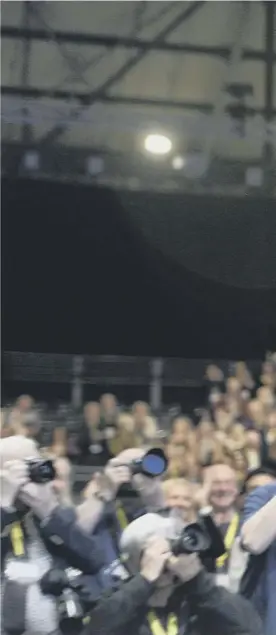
[
  {"x": 236, "y": 426},
  {"x": 216, "y": 460}
]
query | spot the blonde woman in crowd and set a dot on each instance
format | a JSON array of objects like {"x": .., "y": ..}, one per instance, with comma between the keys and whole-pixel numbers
[
  {"x": 183, "y": 434},
  {"x": 125, "y": 436},
  {"x": 181, "y": 462},
  {"x": 268, "y": 376},
  {"x": 176, "y": 455},
  {"x": 244, "y": 376},
  {"x": 266, "y": 397},
  {"x": 253, "y": 448},
  {"x": 181, "y": 430},
  {"x": 256, "y": 413},
  {"x": 205, "y": 441},
  {"x": 179, "y": 495},
  {"x": 145, "y": 426}
]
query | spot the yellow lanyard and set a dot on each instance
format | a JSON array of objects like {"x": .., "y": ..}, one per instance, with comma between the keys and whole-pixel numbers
[
  {"x": 17, "y": 539},
  {"x": 121, "y": 516},
  {"x": 157, "y": 628},
  {"x": 154, "y": 622},
  {"x": 228, "y": 541}
]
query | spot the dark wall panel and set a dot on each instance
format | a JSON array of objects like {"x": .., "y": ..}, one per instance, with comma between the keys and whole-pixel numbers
[{"x": 94, "y": 271}]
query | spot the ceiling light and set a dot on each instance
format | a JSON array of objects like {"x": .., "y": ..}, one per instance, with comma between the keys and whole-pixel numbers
[
  {"x": 94, "y": 165},
  {"x": 158, "y": 144},
  {"x": 254, "y": 176},
  {"x": 179, "y": 163},
  {"x": 31, "y": 160}
]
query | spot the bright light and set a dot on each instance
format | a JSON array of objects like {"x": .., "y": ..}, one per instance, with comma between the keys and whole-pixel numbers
[
  {"x": 31, "y": 160},
  {"x": 254, "y": 176},
  {"x": 179, "y": 163},
  {"x": 95, "y": 165},
  {"x": 158, "y": 144}
]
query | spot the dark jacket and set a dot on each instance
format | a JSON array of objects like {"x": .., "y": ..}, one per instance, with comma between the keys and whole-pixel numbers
[
  {"x": 89, "y": 439},
  {"x": 201, "y": 608},
  {"x": 108, "y": 532},
  {"x": 64, "y": 541},
  {"x": 63, "y": 538},
  {"x": 259, "y": 580}
]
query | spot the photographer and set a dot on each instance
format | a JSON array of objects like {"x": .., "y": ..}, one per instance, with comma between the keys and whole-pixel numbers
[
  {"x": 115, "y": 498},
  {"x": 36, "y": 535},
  {"x": 167, "y": 593}
]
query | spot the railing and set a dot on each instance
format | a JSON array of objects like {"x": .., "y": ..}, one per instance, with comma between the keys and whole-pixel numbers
[{"x": 80, "y": 370}]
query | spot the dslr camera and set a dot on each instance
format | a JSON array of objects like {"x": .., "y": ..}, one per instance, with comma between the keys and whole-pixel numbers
[
  {"x": 203, "y": 538},
  {"x": 65, "y": 586},
  {"x": 41, "y": 471}
]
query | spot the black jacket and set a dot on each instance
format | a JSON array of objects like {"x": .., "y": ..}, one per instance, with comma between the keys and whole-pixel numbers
[
  {"x": 63, "y": 539},
  {"x": 201, "y": 607}
]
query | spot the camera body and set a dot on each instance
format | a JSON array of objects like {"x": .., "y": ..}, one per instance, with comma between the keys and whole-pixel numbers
[
  {"x": 193, "y": 539},
  {"x": 203, "y": 538},
  {"x": 64, "y": 585},
  {"x": 41, "y": 471}
]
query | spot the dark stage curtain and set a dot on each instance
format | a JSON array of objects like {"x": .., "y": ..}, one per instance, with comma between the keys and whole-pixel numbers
[{"x": 90, "y": 270}]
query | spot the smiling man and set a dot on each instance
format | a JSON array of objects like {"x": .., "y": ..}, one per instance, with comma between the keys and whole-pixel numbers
[{"x": 221, "y": 493}]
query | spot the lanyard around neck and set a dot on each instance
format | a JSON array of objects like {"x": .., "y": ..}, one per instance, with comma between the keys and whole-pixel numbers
[
  {"x": 121, "y": 516},
  {"x": 17, "y": 539},
  {"x": 157, "y": 628},
  {"x": 154, "y": 622},
  {"x": 229, "y": 540}
]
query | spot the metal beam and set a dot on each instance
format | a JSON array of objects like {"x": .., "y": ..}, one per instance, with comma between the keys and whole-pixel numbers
[
  {"x": 111, "y": 41},
  {"x": 269, "y": 41},
  {"x": 25, "y": 69},
  {"x": 269, "y": 36},
  {"x": 270, "y": 13},
  {"x": 131, "y": 63},
  {"x": 63, "y": 95}
]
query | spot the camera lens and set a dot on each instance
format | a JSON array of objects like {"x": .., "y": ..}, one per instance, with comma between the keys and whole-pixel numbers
[
  {"x": 154, "y": 463},
  {"x": 192, "y": 540}
]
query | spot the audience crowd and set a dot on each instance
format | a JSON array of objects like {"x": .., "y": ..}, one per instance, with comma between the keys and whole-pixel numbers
[
  {"x": 216, "y": 458},
  {"x": 236, "y": 427}
]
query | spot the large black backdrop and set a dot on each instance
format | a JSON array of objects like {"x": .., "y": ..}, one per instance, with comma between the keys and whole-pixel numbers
[{"x": 90, "y": 270}]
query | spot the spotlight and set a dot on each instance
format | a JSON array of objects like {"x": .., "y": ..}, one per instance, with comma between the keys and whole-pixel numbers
[
  {"x": 158, "y": 144},
  {"x": 179, "y": 163},
  {"x": 254, "y": 176},
  {"x": 94, "y": 165},
  {"x": 31, "y": 160}
]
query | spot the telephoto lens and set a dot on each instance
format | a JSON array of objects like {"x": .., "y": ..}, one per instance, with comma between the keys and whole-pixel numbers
[{"x": 153, "y": 464}]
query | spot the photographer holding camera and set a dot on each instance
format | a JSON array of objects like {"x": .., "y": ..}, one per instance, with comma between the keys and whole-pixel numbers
[
  {"x": 128, "y": 486},
  {"x": 36, "y": 535},
  {"x": 168, "y": 591}
]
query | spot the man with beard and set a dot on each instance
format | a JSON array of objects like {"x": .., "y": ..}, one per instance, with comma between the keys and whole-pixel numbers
[{"x": 220, "y": 493}]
